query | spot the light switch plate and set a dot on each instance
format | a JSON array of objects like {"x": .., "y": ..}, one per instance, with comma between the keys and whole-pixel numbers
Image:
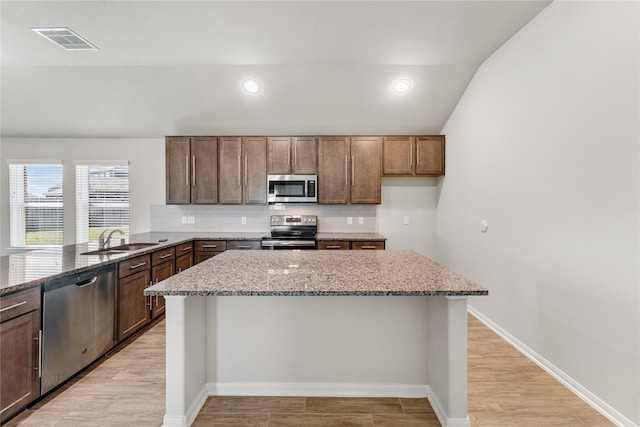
[
  {"x": 349, "y": 220},
  {"x": 243, "y": 220},
  {"x": 184, "y": 219},
  {"x": 191, "y": 220},
  {"x": 360, "y": 220},
  {"x": 405, "y": 220}
]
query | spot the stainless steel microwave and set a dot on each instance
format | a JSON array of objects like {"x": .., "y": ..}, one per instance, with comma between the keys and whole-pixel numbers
[{"x": 292, "y": 188}]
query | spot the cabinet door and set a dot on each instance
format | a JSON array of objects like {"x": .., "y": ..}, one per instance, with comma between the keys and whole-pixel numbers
[
  {"x": 397, "y": 155},
  {"x": 255, "y": 170},
  {"x": 365, "y": 170},
  {"x": 244, "y": 244},
  {"x": 204, "y": 170},
  {"x": 333, "y": 245},
  {"x": 279, "y": 155},
  {"x": 430, "y": 155},
  {"x": 183, "y": 262},
  {"x": 230, "y": 161},
  {"x": 375, "y": 245},
  {"x": 333, "y": 170},
  {"x": 178, "y": 180},
  {"x": 198, "y": 257},
  {"x": 305, "y": 156},
  {"x": 133, "y": 308},
  {"x": 159, "y": 273},
  {"x": 19, "y": 353}
]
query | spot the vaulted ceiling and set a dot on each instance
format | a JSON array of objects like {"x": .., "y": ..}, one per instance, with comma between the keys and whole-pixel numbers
[{"x": 176, "y": 67}]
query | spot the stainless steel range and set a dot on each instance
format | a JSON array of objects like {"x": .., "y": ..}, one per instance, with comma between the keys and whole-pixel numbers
[{"x": 291, "y": 232}]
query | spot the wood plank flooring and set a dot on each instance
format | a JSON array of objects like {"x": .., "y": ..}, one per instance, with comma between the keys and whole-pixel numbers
[{"x": 127, "y": 389}]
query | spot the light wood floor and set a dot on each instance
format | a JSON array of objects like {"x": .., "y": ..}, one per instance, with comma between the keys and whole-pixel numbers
[{"x": 127, "y": 389}]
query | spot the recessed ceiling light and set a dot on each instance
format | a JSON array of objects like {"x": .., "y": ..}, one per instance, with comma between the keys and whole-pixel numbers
[
  {"x": 65, "y": 38},
  {"x": 251, "y": 86},
  {"x": 401, "y": 86}
]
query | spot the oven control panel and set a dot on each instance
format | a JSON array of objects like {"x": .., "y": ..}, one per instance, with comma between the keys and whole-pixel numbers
[{"x": 294, "y": 220}]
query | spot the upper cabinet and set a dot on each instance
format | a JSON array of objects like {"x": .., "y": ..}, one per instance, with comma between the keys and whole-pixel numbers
[
  {"x": 409, "y": 155},
  {"x": 349, "y": 170},
  {"x": 230, "y": 176},
  {"x": 365, "y": 169},
  {"x": 191, "y": 170},
  {"x": 254, "y": 150},
  {"x": 292, "y": 155}
]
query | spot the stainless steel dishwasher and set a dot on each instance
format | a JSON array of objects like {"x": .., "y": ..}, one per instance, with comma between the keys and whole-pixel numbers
[{"x": 78, "y": 323}]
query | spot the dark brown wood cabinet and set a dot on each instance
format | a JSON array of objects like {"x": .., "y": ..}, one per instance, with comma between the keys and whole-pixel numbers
[
  {"x": 365, "y": 170},
  {"x": 230, "y": 171},
  {"x": 162, "y": 267},
  {"x": 191, "y": 170},
  {"x": 244, "y": 244},
  {"x": 205, "y": 249},
  {"x": 292, "y": 155},
  {"x": 333, "y": 245},
  {"x": 333, "y": 170},
  {"x": 413, "y": 156},
  {"x": 430, "y": 155},
  {"x": 368, "y": 245},
  {"x": 254, "y": 151},
  {"x": 184, "y": 256},
  {"x": 19, "y": 350},
  {"x": 134, "y": 275}
]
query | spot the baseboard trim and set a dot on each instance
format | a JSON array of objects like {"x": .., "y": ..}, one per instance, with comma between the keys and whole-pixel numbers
[
  {"x": 578, "y": 389},
  {"x": 317, "y": 389},
  {"x": 444, "y": 420}
]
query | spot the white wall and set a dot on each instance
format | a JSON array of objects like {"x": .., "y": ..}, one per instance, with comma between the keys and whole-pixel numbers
[
  {"x": 146, "y": 169},
  {"x": 544, "y": 146}
]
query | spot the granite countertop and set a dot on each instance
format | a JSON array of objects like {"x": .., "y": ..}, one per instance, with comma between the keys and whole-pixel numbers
[
  {"x": 321, "y": 273},
  {"x": 350, "y": 236},
  {"x": 32, "y": 268}
]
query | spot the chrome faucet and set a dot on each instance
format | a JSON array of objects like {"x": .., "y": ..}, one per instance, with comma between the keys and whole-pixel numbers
[{"x": 104, "y": 242}]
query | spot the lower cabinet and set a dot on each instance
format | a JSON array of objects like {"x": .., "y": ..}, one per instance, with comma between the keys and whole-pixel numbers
[
  {"x": 19, "y": 351},
  {"x": 134, "y": 276},
  {"x": 353, "y": 245},
  {"x": 205, "y": 249},
  {"x": 184, "y": 256}
]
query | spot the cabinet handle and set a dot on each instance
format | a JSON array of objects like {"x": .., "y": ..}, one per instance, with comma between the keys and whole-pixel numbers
[
  {"x": 186, "y": 170},
  {"x": 346, "y": 172},
  {"x": 239, "y": 170},
  {"x": 244, "y": 247},
  {"x": 295, "y": 153},
  {"x": 333, "y": 246},
  {"x": 209, "y": 246},
  {"x": 137, "y": 265},
  {"x": 289, "y": 158},
  {"x": 193, "y": 171},
  {"x": 164, "y": 256},
  {"x": 410, "y": 155},
  {"x": 188, "y": 248},
  {"x": 13, "y": 306},
  {"x": 150, "y": 304},
  {"x": 417, "y": 155},
  {"x": 40, "y": 353},
  {"x": 369, "y": 247},
  {"x": 156, "y": 299},
  {"x": 245, "y": 171},
  {"x": 352, "y": 171}
]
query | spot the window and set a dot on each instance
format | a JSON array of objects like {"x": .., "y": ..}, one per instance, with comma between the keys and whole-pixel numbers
[
  {"x": 36, "y": 216},
  {"x": 102, "y": 199}
]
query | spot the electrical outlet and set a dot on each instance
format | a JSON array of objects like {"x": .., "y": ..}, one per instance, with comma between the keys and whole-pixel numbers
[
  {"x": 191, "y": 220},
  {"x": 405, "y": 220},
  {"x": 349, "y": 220},
  {"x": 243, "y": 220},
  {"x": 184, "y": 219},
  {"x": 360, "y": 220}
]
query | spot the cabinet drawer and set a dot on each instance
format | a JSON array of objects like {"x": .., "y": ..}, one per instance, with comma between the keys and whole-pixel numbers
[
  {"x": 335, "y": 245},
  {"x": 244, "y": 244},
  {"x": 198, "y": 257},
  {"x": 378, "y": 245},
  {"x": 183, "y": 249},
  {"x": 211, "y": 245},
  {"x": 14, "y": 305},
  {"x": 163, "y": 255},
  {"x": 134, "y": 265}
]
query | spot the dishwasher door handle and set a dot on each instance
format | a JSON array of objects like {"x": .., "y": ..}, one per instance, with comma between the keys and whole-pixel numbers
[{"x": 87, "y": 282}]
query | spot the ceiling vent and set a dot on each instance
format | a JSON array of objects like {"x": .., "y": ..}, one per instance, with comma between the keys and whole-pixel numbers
[{"x": 65, "y": 38}]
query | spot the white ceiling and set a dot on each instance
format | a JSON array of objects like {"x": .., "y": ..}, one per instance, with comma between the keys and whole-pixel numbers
[{"x": 176, "y": 67}]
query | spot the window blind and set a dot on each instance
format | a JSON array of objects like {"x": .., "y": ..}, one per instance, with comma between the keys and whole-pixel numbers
[
  {"x": 102, "y": 199},
  {"x": 36, "y": 204}
]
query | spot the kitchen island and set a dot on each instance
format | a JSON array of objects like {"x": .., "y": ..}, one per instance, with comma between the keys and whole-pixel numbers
[{"x": 383, "y": 323}]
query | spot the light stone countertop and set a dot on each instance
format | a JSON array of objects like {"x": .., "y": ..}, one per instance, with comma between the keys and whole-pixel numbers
[{"x": 317, "y": 273}]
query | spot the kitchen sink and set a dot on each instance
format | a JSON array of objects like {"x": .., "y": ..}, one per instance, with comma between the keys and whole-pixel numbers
[{"x": 119, "y": 249}]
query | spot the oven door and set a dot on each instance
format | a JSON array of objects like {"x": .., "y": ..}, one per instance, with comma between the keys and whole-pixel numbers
[{"x": 290, "y": 188}]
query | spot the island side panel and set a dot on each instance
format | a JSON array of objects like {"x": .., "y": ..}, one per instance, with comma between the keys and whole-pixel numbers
[
  {"x": 186, "y": 359},
  {"x": 447, "y": 361}
]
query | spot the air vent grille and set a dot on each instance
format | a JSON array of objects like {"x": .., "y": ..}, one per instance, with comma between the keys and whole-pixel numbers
[{"x": 65, "y": 38}]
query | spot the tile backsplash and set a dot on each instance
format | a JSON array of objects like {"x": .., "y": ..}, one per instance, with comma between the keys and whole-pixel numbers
[{"x": 331, "y": 218}]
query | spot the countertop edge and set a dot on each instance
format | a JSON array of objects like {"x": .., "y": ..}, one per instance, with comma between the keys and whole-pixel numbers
[{"x": 314, "y": 293}]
